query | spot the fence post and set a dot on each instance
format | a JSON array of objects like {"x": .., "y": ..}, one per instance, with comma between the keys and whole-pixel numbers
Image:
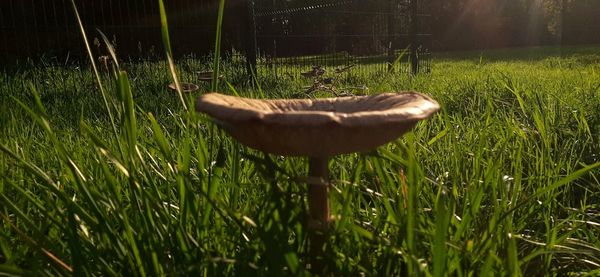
[
  {"x": 390, "y": 34},
  {"x": 414, "y": 57},
  {"x": 250, "y": 41}
]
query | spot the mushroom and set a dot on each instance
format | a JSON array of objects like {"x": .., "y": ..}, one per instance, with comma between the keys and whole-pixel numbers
[
  {"x": 343, "y": 69},
  {"x": 185, "y": 87},
  {"x": 318, "y": 129},
  {"x": 316, "y": 71},
  {"x": 206, "y": 76},
  {"x": 105, "y": 61}
]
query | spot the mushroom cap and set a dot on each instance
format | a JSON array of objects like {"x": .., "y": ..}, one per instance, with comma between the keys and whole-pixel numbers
[
  {"x": 318, "y": 127},
  {"x": 206, "y": 76},
  {"x": 185, "y": 87}
]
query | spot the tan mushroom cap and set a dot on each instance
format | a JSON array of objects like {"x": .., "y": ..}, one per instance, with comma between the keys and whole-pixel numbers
[
  {"x": 206, "y": 76},
  {"x": 185, "y": 87},
  {"x": 318, "y": 127}
]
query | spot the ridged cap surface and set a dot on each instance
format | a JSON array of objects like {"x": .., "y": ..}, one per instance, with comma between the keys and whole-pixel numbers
[{"x": 318, "y": 127}]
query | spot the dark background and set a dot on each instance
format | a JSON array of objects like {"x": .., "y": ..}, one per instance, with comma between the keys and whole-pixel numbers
[{"x": 47, "y": 28}]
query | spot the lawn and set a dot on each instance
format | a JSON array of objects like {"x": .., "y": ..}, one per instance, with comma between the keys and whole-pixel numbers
[{"x": 504, "y": 180}]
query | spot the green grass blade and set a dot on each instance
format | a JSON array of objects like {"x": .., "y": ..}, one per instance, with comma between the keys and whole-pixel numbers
[
  {"x": 159, "y": 136},
  {"x": 164, "y": 26},
  {"x": 129, "y": 109},
  {"x": 96, "y": 73},
  {"x": 8, "y": 270},
  {"x": 442, "y": 221},
  {"x": 562, "y": 182},
  {"x": 217, "y": 58}
]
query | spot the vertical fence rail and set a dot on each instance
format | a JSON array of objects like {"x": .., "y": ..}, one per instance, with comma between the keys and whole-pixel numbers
[
  {"x": 30, "y": 29},
  {"x": 314, "y": 32},
  {"x": 278, "y": 38}
]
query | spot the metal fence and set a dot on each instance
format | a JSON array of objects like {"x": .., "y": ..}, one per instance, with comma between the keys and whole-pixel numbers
[
  {"x": 48, "y": 28},
  {"x": 280, "y": 37},
  {"x": 292, "y": 36}
]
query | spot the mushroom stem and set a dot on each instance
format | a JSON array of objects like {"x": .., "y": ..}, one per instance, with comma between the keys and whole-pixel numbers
[
  {"x": 318, "y": 191},
  {"x": 318, "y": 208}
]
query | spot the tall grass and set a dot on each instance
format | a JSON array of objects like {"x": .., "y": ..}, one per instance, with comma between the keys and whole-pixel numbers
[{"x": 503, "y": 181}]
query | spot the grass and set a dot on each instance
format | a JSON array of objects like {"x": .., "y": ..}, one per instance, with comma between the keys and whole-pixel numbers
[{"x": 503, "y": 181}]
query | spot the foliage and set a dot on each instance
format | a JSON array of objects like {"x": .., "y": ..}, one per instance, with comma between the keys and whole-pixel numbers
[
  {"x": 503, "y": 181},
  {"x": 476, "y": 24}
]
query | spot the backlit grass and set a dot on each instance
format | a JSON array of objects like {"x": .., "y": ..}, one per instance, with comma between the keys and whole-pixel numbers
[{"x": 504, "y": 180}]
